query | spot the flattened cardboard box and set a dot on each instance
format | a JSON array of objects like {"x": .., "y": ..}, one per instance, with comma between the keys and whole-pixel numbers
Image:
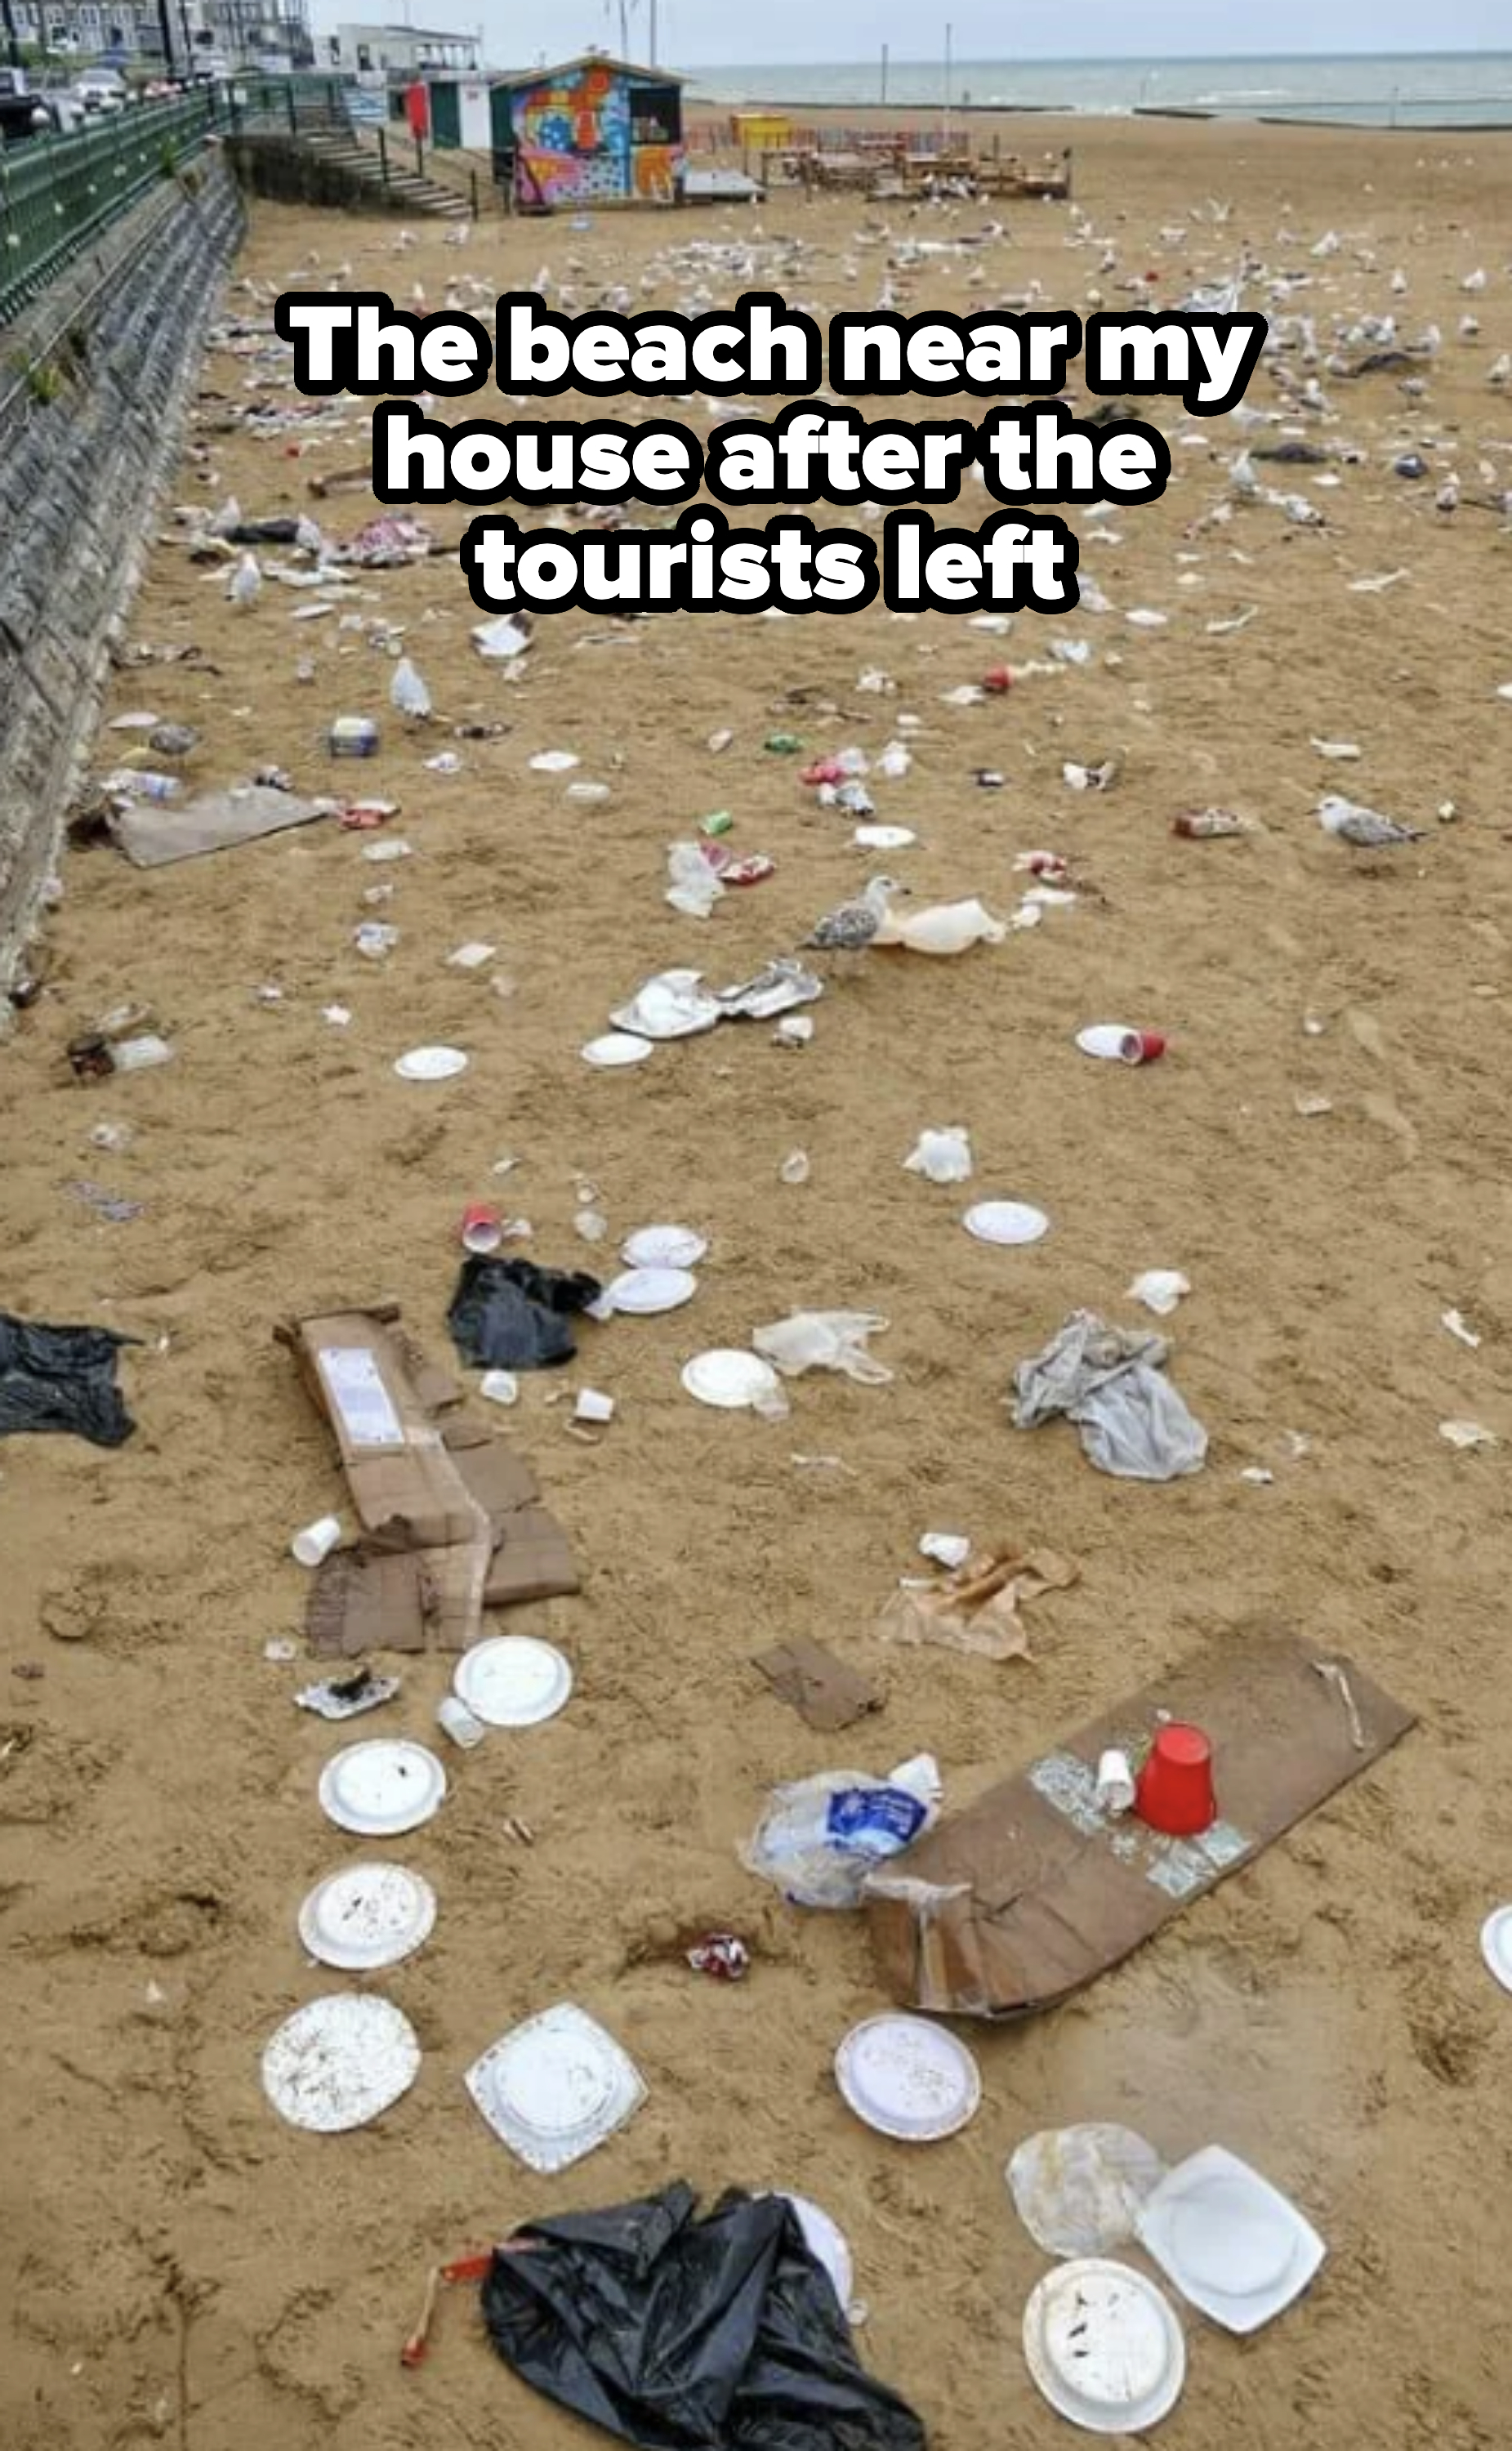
[
  {"x": 454, "y": 1501},
  {"x": 1006, "y": 1907},
  {"x": 403, "y": 1483}
]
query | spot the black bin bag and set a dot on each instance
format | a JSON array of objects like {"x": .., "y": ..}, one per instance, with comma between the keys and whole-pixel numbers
[{"x": 680, "y": 2333}]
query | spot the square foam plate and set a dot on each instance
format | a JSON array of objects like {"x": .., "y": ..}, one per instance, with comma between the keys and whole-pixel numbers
[
  {"x": 554, "y": 2088},
  {"x": 1230, "y": 2242}
]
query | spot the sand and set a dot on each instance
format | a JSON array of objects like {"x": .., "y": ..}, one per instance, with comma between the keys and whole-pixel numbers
[{"x": 179, "y": 2266}]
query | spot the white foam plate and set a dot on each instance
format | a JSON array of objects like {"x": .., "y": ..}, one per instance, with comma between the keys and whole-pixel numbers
[
  {"x": 884, "y": 837},
  {"x": 908, "y": 2078},
  {"x": 675, "y": 1004},
  {"x": 1006, "y": 1221},
  {"x": 431, "y": 1064},
  {"x": 663, "y": 1246},
  {"x": 729, "y": 1378},
  {"x": 1231, "y": 2242},
  {"x": 337, "y": 2062},
  {"x": 1108, "y": 1040},
  {"x": 643, "y": 1292},
  {"x": 554, "y": 2088},
  {"x": 1104, "y": 2346},
  {"x": 1496, "y": 1945},
  {"x": 381, "y": 1788},
  {"x": 617, "y": 1048},
  {"x": 367, "y": 1916},
  {"x": 826, "y": 2240},
  {"x": 513, "y": 1681}
]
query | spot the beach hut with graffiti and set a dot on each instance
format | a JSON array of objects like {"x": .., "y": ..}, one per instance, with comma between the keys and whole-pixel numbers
[{"x": 595, "y": 132}]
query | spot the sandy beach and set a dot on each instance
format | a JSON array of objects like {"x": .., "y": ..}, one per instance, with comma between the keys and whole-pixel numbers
[{"x": 181, "y": 2268}]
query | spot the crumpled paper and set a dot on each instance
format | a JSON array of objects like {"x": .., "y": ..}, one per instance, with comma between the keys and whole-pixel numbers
[{"x": 976, "y": 1608}]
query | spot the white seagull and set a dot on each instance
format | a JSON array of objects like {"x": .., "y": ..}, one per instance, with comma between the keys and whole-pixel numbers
[{"x": 1364, "y": 827}]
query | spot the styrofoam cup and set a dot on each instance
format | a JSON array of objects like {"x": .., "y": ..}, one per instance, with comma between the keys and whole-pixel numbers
[
  {"x": 1115, "y": 1782},
  {"x": 463, "y": 1727},
  {"x": 317, "y": 1540}
]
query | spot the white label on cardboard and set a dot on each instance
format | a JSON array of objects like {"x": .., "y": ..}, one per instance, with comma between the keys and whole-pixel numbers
[{"x": 355, "y": 1386}]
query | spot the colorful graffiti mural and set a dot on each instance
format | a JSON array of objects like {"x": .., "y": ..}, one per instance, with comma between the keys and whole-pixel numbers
[{"x": 595, "y": 132}]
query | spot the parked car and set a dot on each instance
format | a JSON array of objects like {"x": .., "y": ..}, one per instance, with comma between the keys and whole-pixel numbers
[{"x": 102, "y": 89}]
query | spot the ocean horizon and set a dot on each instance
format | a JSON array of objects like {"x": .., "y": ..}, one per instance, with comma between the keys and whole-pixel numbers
[{"x": 1408, "y": 89}]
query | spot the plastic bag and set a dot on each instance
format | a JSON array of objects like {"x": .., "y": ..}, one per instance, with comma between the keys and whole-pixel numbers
[
  {"x": 820, "y": 1838},
  {"x": 944, "y": 1155},
  {"x": 62, "y": 1378},
  {"x": 945, "y": 928},
  {"x": 824, "y": 1340},
  {"x": 508, "y": 1314},
  {"x": 1078, "y": 2190},
  {"x": 668, "y": 2331},
  {"x": 692, "y": 882},
  {"x": 1108, "y": 1380}
]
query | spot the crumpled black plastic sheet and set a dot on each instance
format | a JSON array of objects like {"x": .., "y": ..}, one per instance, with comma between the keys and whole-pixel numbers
[
  {"x": 510, "y": 1315},
  {"x": 677, "y": 2334},
  {"x": 62, "y": 1378}
]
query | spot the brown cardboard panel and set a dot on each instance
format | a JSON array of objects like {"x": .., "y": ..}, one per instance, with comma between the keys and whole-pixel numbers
[{"x": 1007, "y": 1907}]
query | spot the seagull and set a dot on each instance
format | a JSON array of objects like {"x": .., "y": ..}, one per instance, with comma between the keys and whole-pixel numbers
[
  {"x": 1347, "y": 822},
  {"x": 853, "y": 926},
  {"x": 407, "y": 694},
  {"x": 245, "y": 584}
]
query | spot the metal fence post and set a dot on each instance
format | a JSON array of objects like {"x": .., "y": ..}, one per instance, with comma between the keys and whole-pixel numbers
[
  {"x": 383, "y": 154},
  {"x": 293, "y": 115},
  {"x": 472, "y": 185}
]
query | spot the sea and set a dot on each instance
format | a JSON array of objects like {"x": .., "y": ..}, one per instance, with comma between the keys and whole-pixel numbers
[{"x": 1404, "y": 89}]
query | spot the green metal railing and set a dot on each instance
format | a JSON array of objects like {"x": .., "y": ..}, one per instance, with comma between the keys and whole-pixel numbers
[{"x": 58, "y": 192}]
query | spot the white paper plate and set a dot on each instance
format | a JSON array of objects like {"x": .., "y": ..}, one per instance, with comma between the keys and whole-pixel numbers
[
  {"x": 369, "y": 1914},
  {"x": 908, "y": 2078},
  {"x": 663, "y": 1246},
  {"x": 729, "y": 1378},
  {"x": 884, "y": 837},
  {"x": 1231, "y": 2242},
  {"x": 1104, "y": 2346},
  {"x": 1108, "y": 1040},
  {"x": 383, "y": 1788},
  {"x": 337, "y": 2062},
  {"x": 554, "y": 761},
  {"x": 643, "y": 1292},
  {"x": 1496, "y": 1945},
  {"x": 1006, "y": 1221},
  {"x": 554, "y": 2088},
  {"x": 431, "y": 1064},
  {"x": 512, "y": 1682},
  {"x": 619, "y": 1048},
  {"x": 828, "y": 2241}
]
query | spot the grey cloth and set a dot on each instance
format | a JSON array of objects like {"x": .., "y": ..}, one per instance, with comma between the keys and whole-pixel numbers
[{"x": 1108, "y": 1380}]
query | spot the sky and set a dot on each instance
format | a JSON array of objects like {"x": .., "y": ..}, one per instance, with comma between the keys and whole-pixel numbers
[{"x": 711, "y": 33}]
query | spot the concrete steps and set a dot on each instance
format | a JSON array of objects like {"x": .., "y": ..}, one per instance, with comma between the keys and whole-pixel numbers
[{"x": 407, "y": 189}]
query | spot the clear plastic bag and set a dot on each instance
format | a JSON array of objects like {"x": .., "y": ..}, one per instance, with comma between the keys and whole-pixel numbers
[
  {"x": 819, "y": 1841},
  {"x": 824, "y": 1340},
  {"x": 1078, "y": 2190}
]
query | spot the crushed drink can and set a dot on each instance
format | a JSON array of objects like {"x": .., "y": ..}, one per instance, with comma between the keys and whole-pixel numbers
[
  {"x": 1208, "y": 825},
  {"x": 721, "y": 1955},
  {"x": 352, "y": 735}
]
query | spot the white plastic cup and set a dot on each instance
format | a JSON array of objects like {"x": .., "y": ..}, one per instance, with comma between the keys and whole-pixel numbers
[
  {"x": 460, "y": 1724},
  {"x": 593, "y": 1407},
  {"x": 317, "y": 1540},
  {"x": 1115, "y": 1782},
  {"x": 499, "y": 1386}
]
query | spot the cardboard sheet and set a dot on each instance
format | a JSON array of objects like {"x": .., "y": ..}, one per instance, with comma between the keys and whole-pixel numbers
[
  {"x": 453, "y": 1519},
  {"x": 1008, "y": 1907},
  {"x": 154, "y": 833},
  {"x": 823, "y": 1691}
]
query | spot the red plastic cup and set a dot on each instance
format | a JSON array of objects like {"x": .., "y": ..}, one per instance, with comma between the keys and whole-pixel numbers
[
  {"x": 998, "y": 681},
  {"x": 483, "y": 1229},
  {"x": 1175, "y": 1789},
  {"x": 1151, "y": 1046}
]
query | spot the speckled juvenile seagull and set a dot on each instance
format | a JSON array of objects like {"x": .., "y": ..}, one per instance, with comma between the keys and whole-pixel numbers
[
  {"x": 1365, "y": 828},
  {"x": 853, "y": 926}
]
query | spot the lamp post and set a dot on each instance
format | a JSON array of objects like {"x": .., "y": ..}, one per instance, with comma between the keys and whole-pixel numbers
[{"x": 12, "y": 42}]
